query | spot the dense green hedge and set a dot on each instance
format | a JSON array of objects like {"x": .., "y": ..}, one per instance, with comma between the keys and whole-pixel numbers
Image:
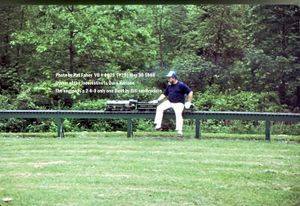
[{"x": 214, "y": 100}]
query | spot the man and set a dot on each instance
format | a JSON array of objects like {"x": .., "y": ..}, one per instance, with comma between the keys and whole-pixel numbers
[{"x": 175, "y": 92}]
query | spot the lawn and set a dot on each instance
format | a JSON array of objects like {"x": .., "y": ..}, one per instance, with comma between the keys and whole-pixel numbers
[{"x": 98, "y": 170}]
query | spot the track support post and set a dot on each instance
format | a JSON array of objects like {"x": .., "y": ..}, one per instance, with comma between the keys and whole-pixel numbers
[
  {"x": 267, "y": 130},
  {"x": 60, "y": 128},
  {"x": 198, "y": 128},
  {"x": 129, "y": 128}
]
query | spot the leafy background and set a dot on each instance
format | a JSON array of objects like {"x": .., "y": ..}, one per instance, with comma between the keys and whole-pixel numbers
[{"x": 234, "y": 57}]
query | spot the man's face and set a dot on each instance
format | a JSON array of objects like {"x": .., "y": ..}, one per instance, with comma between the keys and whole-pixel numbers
[{"x": 171, "y": 80}]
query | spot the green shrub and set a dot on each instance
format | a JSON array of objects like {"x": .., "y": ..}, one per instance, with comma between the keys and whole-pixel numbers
[
  {"x": 4, "y": 102},
  {"x": 287, "y": 128},
  {"x": 101, "y": 126},
  {"x": 90, "y": 105},
  {"x": 96, "y": 125},
  {"x": 13, "y": 125},
  {"x": 213, "y": 100},
  {"x": 143, "y": 125},
  {"x": 39, "y": 126},
  {"x": 24, "y": 100}
]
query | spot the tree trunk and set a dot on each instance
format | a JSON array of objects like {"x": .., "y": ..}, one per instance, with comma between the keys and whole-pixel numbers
[
  {"x": 254, "y": 85},
  {"x": 5, "y": 59},
  {"x": 298, "y": 97},
  {"x": 283, "y": 35},
  {"x": 22, "y": 20},
  {"x": 71, "y": 52},
  {"x": 161, "y": 56},
  {"x": 71, "y": 45},
  {"x": 282, "y": 92}
]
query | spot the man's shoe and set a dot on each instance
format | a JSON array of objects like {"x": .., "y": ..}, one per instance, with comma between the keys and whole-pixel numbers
[
  {"x": 158, "y": 129},
  {"x": 179, "y": 135}
]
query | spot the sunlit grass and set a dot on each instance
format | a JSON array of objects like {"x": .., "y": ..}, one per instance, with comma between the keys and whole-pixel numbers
[{"x": 95, "y": 170}]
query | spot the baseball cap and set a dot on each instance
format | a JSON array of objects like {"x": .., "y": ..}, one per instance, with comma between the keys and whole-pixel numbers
[{"x": 171, "y": 74}]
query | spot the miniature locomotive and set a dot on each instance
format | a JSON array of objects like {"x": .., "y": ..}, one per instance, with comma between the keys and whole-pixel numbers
[{"x": 131, "y": 105}]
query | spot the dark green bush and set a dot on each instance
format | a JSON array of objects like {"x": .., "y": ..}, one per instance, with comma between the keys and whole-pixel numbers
[
  {"x": 4, "y": 102},
  {"x": 213, "y": 100},
  {"x": 96, "y": 125},
  {"x": 90, "y": 105}
]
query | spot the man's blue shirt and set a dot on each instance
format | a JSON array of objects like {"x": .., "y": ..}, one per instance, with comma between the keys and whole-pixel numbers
[{"x": 176, "y": 92}]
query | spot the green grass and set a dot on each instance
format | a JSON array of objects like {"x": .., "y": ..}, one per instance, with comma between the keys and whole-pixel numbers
[
  {"x": 170, "y": 134},
  {"x": 95, "y": 170}
]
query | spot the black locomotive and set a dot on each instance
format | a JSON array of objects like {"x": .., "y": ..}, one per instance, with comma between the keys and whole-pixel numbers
[
  {"x": 132, "y": 105},
  {"x": 129, "y": 105}
]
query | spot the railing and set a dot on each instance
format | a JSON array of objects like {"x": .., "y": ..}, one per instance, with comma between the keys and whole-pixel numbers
[{"x": 60, "y": 115}]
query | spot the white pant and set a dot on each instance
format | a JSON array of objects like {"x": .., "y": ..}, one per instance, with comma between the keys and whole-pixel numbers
[{"x": 178, "y": 109}]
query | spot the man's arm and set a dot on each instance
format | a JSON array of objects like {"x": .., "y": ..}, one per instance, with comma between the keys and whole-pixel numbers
[
  {"x": 190, "y": 96},
  {"x": 161, "y": 97}
]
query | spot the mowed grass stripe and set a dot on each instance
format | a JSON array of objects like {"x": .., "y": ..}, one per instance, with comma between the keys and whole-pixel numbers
[
  {"x": 120, "y": 171},
  {"x": 190, "y": 145},
  {"x": 140, "y": 152},
  {"x": 98, "y": 154},
  {"x": 119, "y": 151},
  {"x": 151, "y": 145},
  {"x": 180, "y": 159},
  {"x": 184, "y": 160}
]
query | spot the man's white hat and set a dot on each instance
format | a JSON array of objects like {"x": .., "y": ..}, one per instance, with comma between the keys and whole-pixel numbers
[{"x": 171, "y": 74}]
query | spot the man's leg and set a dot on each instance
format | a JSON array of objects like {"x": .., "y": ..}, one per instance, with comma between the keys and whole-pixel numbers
[
  {"x": 178, "y": 109},
  {"x": 160, "y": 112}
]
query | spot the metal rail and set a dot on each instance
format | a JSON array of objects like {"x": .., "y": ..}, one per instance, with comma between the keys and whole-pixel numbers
[{"x": 60, "y": 115}]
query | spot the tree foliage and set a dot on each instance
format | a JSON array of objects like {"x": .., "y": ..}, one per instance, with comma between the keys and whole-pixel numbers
[{"x": 239, "y": 48}]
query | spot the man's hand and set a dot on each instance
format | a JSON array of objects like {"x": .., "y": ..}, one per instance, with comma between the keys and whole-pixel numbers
[
  {"x": 160, "y": 98},
  {"x": 188, "y": 105},
  {"x": 154, "y": 102}
]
